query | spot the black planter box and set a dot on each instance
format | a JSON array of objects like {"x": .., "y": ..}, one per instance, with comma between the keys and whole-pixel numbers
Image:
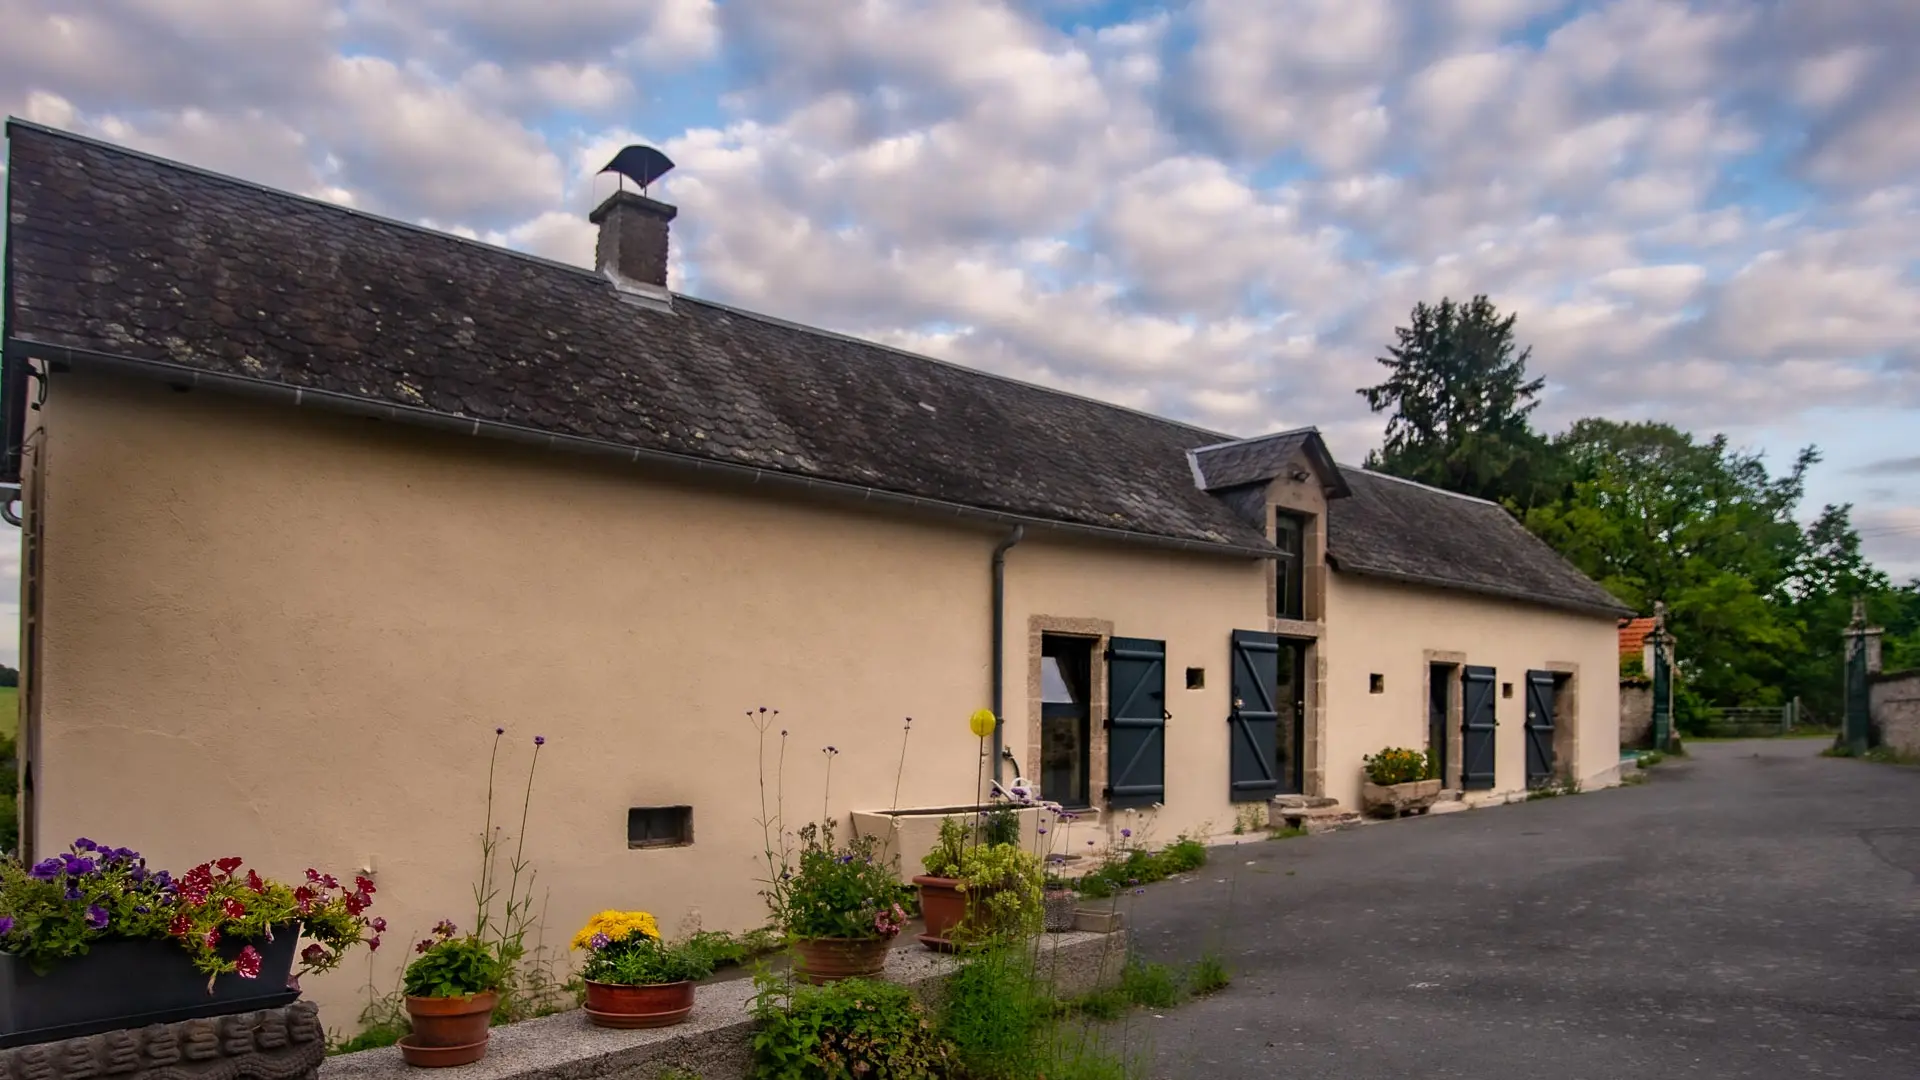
[{"x": 129, "y": 984}]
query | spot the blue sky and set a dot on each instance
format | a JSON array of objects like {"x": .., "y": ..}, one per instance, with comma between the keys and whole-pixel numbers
[{"x": 1706, "y": 212}]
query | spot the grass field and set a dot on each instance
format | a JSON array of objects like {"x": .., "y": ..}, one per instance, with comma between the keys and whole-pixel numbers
[{"x": 9, "y": 710}]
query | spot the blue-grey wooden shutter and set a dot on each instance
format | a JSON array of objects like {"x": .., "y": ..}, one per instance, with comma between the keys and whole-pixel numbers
[
  {"x": 1539, "y": 727},
  {"x": 1477, "y": 729},
  {"x": 1136, "y": 721},
  {"x": 1253, "y": 718}
]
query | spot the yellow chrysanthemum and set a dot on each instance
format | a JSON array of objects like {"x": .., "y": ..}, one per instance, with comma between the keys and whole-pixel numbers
[{"x": 617, "y": 925}]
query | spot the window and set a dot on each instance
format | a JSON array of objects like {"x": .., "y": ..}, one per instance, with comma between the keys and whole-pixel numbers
[
  {"x": 1066, "y": 674},
  {"x": 1506, "y": 690},
  {"x": 1376, "y": 683},
  {"x": 1196, "y": 678},
  {"x": 1287, "y": 576},
  {"x": 659, "y": 826}
]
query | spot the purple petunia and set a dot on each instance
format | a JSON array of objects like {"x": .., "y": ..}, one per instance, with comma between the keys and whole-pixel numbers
[
  {"x": 78, "y": 867},
  {"x": 45, "y": 870},
  {"x": 84, "y": 844},
  {"x": 6, "y": 925},
  {"x": 73, "y": 892},
  {"x": 96, "y": 916}
]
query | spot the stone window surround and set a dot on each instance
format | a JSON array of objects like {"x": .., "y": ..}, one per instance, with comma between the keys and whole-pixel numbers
[
  {"x": 1455, "y": 663},
  {"x": 1099, "y": 632},
  {"x": 1566, "y": 717}
]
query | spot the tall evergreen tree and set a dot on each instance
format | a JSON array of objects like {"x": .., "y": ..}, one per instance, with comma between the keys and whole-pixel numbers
[{"x": 1458, "y": 399}]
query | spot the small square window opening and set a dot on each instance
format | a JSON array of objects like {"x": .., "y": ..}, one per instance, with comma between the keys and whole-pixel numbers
[
  {"x": 1196, "y": 678},
  {"x": 1376, "y": 684},
  {"x": 659, "y": 826},
  {"x": 1506, "y": 690}
]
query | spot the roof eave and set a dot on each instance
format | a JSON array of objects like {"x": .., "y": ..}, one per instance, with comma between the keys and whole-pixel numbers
[
  {"x": 1612, "y": 611},
  {"x": 17, "y": 350}
]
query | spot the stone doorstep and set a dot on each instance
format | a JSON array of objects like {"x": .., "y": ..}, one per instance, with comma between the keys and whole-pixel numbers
[
  {"x": 1302, "y": 802},
  {"x": 715, "y": 1041}
]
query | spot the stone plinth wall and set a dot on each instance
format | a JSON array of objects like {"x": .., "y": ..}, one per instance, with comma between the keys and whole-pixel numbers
[
  {"x": 1893, "y": 700},
  {"x": 713, "y": 1043},
  {"x": 1636, "y": 715},
  {"x": 273, "y": 1044}
]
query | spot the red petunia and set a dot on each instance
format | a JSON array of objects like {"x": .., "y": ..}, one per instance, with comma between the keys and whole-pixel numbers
[
  {"x": 234, "y": 908},
  {"x": 373, "y": 943},
  {"x": 247, "y": 964},
  {"x": 228, "y": 865},
  {"x": 313, "y": 875},
  {"x": 211, "y": 938},
  {"x": 254, "y": 882},
  {"x": 303, "y": 898},
  {"x": 313, "y": 954},
  {"x": 357, "y": 903},
  {"x": 181, "y": 926},
  {"x": 379, "y": 926},
  {"x": 361, "y": 884}
]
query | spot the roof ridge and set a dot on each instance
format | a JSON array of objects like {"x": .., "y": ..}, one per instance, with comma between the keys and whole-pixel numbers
[
  {"x": 1418, "y": 484},
  {"x": 1308, "y": 429},
  {"x": 282, "y": 193},
  {"x": 323, "y": 204}
]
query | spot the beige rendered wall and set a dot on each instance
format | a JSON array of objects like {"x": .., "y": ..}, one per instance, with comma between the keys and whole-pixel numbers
[
  {"x": 1385, "y": 628},
  {"x": 289, "y": 637},
  {"x": 1193, "y": 603}
]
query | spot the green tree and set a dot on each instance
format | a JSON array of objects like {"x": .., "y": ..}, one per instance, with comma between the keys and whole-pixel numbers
[
  {"x": 1458, "y": 399},
  {"x": 1653, "y": 514},
  {"x": 1831, "y": 573}
]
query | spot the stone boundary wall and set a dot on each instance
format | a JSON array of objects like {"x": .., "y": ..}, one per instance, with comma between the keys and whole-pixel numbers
[
  {"x": 272, "y": 1044},
  {"x": 1893, "y": 701},
  {"x": 713, "y": 1043}
]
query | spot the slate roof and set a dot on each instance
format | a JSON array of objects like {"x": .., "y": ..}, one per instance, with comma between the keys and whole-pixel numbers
[
  {"x": 116, "y": 254},
  {"x": 1403, "y": 531},
  {"x": 1260, "y": 459}
]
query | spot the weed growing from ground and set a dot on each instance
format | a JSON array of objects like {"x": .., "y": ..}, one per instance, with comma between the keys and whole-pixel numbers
[
  {"x": 1287, "y": 833},
  {"x": 1129, "y": 867},
  {"x": 1155, "y": 985},
  {"x": 1207, "y": 975},
  {"x": 1883, "y": 755}
]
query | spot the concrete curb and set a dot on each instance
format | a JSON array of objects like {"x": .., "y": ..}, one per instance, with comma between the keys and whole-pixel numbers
[{"x": 715, "y": 1041}]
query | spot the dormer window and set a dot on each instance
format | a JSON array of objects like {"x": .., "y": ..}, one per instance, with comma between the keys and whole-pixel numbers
[{"x": 1287, "y": 577}]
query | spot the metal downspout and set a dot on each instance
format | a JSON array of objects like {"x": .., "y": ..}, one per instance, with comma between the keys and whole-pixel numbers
[{"x": 1000, "y": 641}]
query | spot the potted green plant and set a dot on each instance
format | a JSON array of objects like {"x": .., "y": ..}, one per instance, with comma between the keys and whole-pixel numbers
[
  {"x": 972, "y": 892},
  {"x": 451, "y": 990},
  {"x": 93, "y": 940},
  {"x": 635, "y": 980},
  {"x": 1399, "y": 781},
  {"x": 839, "y": 905}
]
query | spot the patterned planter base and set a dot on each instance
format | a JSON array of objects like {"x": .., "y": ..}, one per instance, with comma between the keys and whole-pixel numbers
[{"x": 273, "y": 1044}]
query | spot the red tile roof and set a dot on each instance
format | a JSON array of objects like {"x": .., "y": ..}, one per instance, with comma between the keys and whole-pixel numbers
[{"x": 1633, "y": 635}]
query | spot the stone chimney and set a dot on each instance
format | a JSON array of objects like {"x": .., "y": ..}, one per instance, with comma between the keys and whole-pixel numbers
[{"x": 632, "y": 249}]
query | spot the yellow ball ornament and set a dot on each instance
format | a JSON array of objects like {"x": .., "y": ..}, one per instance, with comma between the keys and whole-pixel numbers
[{"x": 981, "y": 722}]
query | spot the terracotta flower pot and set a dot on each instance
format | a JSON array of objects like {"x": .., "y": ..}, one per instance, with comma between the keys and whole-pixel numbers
[
  {"x": 943, "y": 906},
  {"x": 448, "y": 1031},
  {"x": 612, "y": 1005},
  {"x": 828, "y": 960}
]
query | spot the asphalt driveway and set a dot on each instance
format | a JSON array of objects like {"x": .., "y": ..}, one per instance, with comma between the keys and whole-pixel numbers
[{"x": 1753, "y": 912}]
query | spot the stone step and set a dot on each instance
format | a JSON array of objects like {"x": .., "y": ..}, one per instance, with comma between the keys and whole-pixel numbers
[
  {"x": 1327, "y": 816},
  {"x": 1301, "y": 802}
]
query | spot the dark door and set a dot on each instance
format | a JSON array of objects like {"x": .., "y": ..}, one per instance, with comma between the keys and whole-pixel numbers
[
  {"x": 1439, "y": 697},
  {"x": 1477, "y": 728},
  {"x": 1137, "y": 722},
  {"x": 1066, "y": 668},
  {"x": 1253, "y": 717},
  {"x": 1539, "y": 727},
  {"x": 1290, "y": 749}
]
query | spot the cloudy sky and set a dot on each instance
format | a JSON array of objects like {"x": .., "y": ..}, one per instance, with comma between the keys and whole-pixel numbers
[{"x": 1706, "y": 212}]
